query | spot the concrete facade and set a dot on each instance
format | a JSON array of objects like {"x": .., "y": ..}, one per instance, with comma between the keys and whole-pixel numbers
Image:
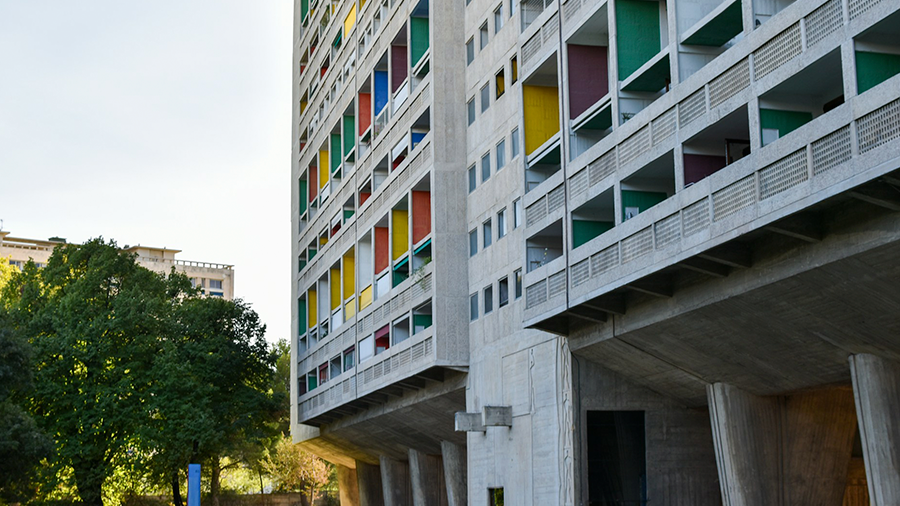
[{"x": 662, "y": 239}]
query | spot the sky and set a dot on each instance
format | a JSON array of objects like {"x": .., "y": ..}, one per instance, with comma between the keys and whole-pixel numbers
[{"x": 157, "y": 122}]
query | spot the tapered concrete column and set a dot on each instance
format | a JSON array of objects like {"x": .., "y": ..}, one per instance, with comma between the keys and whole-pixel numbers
[
  {"x": 368, "y": 477},
  {"x": 455, "y": 473},
  {"x": 876, "y": 386},
  {"x": 426, "y": 475},
  {"x": 395, "y": 482},
  {"x": 781, "y": 451},
  {"x": 348, "y": 486}
]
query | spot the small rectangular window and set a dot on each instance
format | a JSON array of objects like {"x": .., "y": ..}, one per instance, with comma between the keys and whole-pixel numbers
[
  {"x": 485, "y": 167},
  {"x": 470, "y": 108},
  {"x": 518, "y": 277},
  {"x": 472, "y": 179},
  {"x": 215, "y": 284},
  {"x": 488, "y": 299},
  {"x": 473, "y": 242},
  {"x": 500, "y": 83},
  {"x": 498, "y": 18},
  {"x": 501, "y": 223},
  {"x": 495, "y": 496},
  {"x": 487, "y": 235},
  {"x": 517, "y": 213},
  {"x": 349, "y": 358},
  {"x": 473, "y": 307},
  {"x": 470, "y": 51},
  {"x": 501, "y": 154},
  {"x": 512, "y": 7},
  {"x": 514, "y": 69},
  {"x": 503, "y": 292},
  {"x": 514, "y": 143},
  {"x": 483, "y": 35},
  {"x": 485, "y": 97}
]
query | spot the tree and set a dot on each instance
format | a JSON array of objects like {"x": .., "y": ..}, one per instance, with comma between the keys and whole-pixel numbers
[
  {"x": 6, "y": 272},
  {"x": 293, "y": 468},
  {"x": 94, "y": 318}
]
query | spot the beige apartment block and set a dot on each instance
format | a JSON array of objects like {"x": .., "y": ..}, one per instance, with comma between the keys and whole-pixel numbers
[{"x": 216, "y": 280}]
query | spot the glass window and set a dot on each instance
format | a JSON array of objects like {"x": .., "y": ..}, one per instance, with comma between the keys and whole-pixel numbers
[
  {"x": 470, "y": 51},
  {"x": 473, "y": 307},
  {"x": 503, "y": 292},
  {"x": 514, "y": 69},
  {"x": 498, "y": 19},
  {"x": 514, "y": 142},
  {"x": 501, "y": 154},
  {"x": 517, "y": 213},
  {"x": 518, "y": 276},
  {"x": 500, "y": 83},
  {"x": 473, "y": 242},
  {"x": 215, "y": 284},
  {"x": 470, "y": 107},
  {"x": 512, "y": 7},
  {"x": 485, "y": 97},
  {"x": 349, "y": 358},
  {"x": 485, "y": 167},
  {"x": 483, "y": 35},
  {"x": 501, "y": 223},
  {"x": 471, "y": 179},
  {"x": 495, "y": 496},
  {"x": 366, "y": 349},
  {"x": 487, "y": 234},
  {"x": 488, "y": 299}
]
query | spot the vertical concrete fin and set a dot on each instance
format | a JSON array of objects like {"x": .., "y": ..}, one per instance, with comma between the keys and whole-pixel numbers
[
  {"x": 455, "y": 473},
  {"x": 395, "y": 482},
  {"x": 348, "y": 486},
  {"x": 427, "y": 479},
  {"x": 368, "y": 477}
]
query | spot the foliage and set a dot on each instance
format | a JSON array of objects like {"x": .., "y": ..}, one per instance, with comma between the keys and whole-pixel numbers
[
  {"x": 294, "y": 469},
  {"x": 6, "y": 272}
]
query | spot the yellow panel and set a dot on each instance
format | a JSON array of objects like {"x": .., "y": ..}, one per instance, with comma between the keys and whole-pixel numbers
[
  {"x": 365, "y": 297},
  {"x": 350, "y": 310},
  {"x": 335, "y": 285},
  {"x": 313, "y": 308},
  {"x": 541, "y": 115},
  {"x": 349, "y": 21},
  {"x": 399, "y": 233},
  {"x": 323, "y": 167},
  {"x": 349, "y": 273}
]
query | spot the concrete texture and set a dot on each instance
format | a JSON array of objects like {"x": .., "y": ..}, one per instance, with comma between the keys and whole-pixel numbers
[
  {"x": 348, "y": 486},
  {"x": 453, "y": 458},
  {"x": 395, "y": 482},
  {"x": 369, "y": 480},
  {"x": 876, "y": 385},
  {"x": 426, "y": 475}
]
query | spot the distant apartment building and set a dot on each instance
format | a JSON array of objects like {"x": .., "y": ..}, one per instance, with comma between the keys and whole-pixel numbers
[
  {"x": 216, "y": 280},
  {"x": 598, "y": 252}
]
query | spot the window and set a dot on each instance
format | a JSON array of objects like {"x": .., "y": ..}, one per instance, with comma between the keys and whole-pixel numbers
[
  {"x": 487, "y": 234},
  {"x": 485, "y": 97},
  {"x": 514, "y": 143},
  {"x": 501, "y": 223},
  {"x": 503, "y": 291},
  {"x": 470, "y": 51},
  {"x": 483, "y": 36},
  {"x": 498, "y": 19},
  {"x": 517, "y": 213},
  {"x": 485, "y": 167},
  {"x": 488, "y": 299},
  {"x": 473, "y": 242},
  {"x": 349, "y": 358},
  {"x": 215, "y": 284},
  {"x": 335, "y": 368},
  {"x": 514, "y": 69},
  {"x": 512, "y": 7},
  {"x": 518, "y": 276},
  {"x": 366, "y": 349},
  {"x": 470, "y": 107},
  {"x": 473, "y": 307},
  {"x": 495, "y": 495},
  {"x": 500, "y": 83},
  {"x": 471, "y": 179},
  {"x": 501, "y": 154}
]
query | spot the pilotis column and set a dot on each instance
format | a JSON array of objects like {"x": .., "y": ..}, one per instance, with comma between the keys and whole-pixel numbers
[
  {"x": 348, "y": 486},
  {"x": 395, "y": 482},
  {"x": 368, "y": 476},
  {"x": 427, "y": 477},
  {"x": 455, "y": 473}
]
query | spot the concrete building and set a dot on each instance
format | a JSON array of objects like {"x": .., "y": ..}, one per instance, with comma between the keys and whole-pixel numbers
[
  {"x": 216, "y": 280},
  {"x": 598, "y": 252}
]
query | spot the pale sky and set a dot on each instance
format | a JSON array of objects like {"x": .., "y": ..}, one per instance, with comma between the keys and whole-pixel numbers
[{"x": 159, "y": 122}]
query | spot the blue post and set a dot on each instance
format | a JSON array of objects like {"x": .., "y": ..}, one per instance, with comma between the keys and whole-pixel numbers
[{"x": 193, "y": 484}]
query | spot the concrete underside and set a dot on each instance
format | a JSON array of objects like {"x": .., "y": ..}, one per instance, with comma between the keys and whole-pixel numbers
[
  {"x": 787, "y": 323},
  {"x": 418, "y": 420}
]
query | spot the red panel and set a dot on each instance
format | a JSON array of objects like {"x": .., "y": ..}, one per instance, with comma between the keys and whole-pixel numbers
[
  {"x": 697, "y": 167},
  {"x": 365, "y": 112},
  {"x": 382, "y": 240},
  {"x": 363, "y": 197},
  {"x": 421, "y": 215},
  {"x": 382, "y": 339},
  {"x": 399, "y": 67},
  {"x": 588, "y": 77},
  {"x": 313, "y": 182}
]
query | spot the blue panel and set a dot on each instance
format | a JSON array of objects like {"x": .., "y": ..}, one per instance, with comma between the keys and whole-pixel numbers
[
  {"x": 416, "y": 138},
  {"x": 381, "y": 90},
  {"x": 193, "y": 484}
]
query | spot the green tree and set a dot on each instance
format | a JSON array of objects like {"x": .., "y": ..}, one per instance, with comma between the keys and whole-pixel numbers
[
  {"x": 6, "y": 272},
  {"x": 295, "y": 469},
  {"x": 94, "y": 318}
]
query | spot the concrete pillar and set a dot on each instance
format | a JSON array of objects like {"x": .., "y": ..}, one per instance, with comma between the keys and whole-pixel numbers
[
  {"x": 368, "y": 476},
  {"x": 395, "y": 482},
  {"x": 781, "y": 451},
  {"x": 455, "y": 473},
  {"x": 876, "y": 386},
  {"x": 348, "y": 486},
  {"x": 426, "y": 475}
]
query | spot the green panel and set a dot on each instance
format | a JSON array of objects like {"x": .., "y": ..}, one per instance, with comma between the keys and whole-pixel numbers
[
  {"x": 301, "y": 316},
  {"x": 348, "y": 213},
  {"x": 601, "y": 121},
  {"x": 304, "y": 197},
  {"x": 336, "y": 157},
  {"x": 637, "y": 34},
  {"x": 304, "y": 8},
  {"x": 349, "y": 134},
  {"x": 312, "y": 254},
  {"x": 418, "y": 34},
  {"x": 312, "y": 381},
  {"x": 585, "y": 230},
  {"x": 653, "y": 79},
  {"x": 398, "y": 278},
  {"x": 720, "y": 29},
  {"x": 640, "y": 199},
  {"x": 873, "y": 69},
  {"x": 783, "y": 121},
  {"x": 421, "y": 320}
]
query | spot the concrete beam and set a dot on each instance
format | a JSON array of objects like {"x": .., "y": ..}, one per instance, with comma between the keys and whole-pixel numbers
[
  {"x": 395, "y": 482},
  {"x": 660, "y": 285},
  {"x": 348, "y": 486},
  {"x": 804, "y": 226},
  {"x": 426, "y": 473},
  {"x": 455, "y": 473},
  {"x": 368, "y": 478},
  {"x": 732, "y": 254},
  {"x": 468, "y": 422},
  {"x": 613, "y": 303},
  {"x": 876, "y": 386},
  {"x": 880, "y": 195},
  {"x": 496, "y": 416},
  {"x": 708, "y": 267},
  {"x": 589, "y": 314}
]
